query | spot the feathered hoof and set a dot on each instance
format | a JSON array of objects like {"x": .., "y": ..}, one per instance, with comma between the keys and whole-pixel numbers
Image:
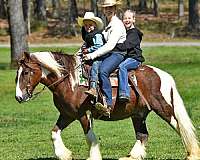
[
  {"x": 64, "y": 155},
  {"x": 192, "y": 157}
]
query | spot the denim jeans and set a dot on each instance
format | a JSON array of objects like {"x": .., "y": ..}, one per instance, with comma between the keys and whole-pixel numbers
[
  {"x": 108, "y": 65},
  {"x": 94, "y": 73},
  {"x": 124, "y": 67}
]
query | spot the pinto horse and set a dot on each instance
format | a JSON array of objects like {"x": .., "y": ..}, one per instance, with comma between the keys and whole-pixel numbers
[{"x": 59, "y": 72}]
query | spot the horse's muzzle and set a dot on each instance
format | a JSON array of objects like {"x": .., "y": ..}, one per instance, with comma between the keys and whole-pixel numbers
[
  {"x": 18, "y": 98},
  {"x": 25, "y": 98}
]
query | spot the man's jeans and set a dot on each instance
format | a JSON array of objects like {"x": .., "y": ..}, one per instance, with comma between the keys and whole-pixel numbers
[
  {"x": 108, "y": 65},
  {"x": 124, "y": 67}
]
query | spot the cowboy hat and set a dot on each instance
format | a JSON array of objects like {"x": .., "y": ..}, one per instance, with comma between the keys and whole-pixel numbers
[
  {"x": 90, "y": 16},
  {"x": 109, "y": 3}
]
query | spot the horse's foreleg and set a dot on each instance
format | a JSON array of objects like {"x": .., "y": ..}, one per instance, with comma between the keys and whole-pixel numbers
[
  {"x": 60, "y": 150},
  {"x": 94, "y": 153}
]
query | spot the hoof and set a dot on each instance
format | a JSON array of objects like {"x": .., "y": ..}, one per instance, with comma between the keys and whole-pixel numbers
[
  {"x": 129, "y": 158},
  {"x": 193, "y": 158},
  {"x": 64, "y": 155}
]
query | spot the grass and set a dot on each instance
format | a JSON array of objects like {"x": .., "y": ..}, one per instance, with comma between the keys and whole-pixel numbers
[{"x": 25, "y": 128}]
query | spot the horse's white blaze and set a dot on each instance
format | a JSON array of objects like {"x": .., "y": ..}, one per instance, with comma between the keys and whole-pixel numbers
[
  {"x": 94, "y": 146},
  {"x": 18, "y": 90},
  {"x": 60, "y": 150},
  {"x": 166, "y": 84},
  {"x": 138, "y": 150}
]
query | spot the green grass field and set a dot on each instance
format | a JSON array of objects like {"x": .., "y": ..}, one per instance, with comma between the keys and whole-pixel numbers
[{"x": 25, "y": 128}]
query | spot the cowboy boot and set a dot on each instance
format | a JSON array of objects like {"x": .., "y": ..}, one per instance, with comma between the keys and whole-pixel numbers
[
  {"x": 91, "y": 92},
  {"x": 104, "y": 109}
]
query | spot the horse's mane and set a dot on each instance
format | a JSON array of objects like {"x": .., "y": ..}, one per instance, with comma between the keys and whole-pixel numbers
[{"x": 57, "y": 62}]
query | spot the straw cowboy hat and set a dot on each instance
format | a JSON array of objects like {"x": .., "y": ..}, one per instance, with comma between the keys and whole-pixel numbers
[
  {"x": 90, "y": 16},
  {"x": 109, "y": 3}
]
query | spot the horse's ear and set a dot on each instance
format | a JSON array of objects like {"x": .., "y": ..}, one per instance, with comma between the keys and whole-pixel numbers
[{"x": 25, "y": 56}]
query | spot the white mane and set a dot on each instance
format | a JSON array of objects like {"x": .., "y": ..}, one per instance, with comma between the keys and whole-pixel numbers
[{"x": 48, "y": 61}]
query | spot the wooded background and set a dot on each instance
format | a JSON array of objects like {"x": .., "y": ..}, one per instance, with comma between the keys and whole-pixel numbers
[{"x": 26, "y": 16}]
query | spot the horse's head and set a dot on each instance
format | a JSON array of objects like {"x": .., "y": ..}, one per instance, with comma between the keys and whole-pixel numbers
[{"x": 28, "y": 76}]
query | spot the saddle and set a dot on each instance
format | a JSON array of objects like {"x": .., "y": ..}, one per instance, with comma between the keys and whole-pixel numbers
[
  {"x": 113, "y": 76},
  {"x": 114, "y": 82}
]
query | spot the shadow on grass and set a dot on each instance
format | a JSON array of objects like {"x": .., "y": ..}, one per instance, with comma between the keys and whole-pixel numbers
[{"x": 53, "y": 158}]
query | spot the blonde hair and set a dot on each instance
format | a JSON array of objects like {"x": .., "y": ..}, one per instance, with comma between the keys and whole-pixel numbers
[{"x": 132, "y": 12}]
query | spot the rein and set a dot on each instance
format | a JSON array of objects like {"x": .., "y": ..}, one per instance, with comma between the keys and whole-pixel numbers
[{"x": 35, "y": 95}]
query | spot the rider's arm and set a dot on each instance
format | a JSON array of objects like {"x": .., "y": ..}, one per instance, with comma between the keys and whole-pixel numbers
[
  {"x": 98, "y": 42},
  {"x": 117, "y": 35}
]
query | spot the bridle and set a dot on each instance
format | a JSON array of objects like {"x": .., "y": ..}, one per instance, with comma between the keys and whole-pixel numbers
[{"x": 28, "y": 86}]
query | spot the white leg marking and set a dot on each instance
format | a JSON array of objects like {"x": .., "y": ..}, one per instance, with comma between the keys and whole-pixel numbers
[
  {"x": 60, "y": 150},
  {"x": 18, "y": 90},
  {"x": 138, "y": 150},
  {"x": 174, "y": 122},
  {"x": 94, "y": 146}
]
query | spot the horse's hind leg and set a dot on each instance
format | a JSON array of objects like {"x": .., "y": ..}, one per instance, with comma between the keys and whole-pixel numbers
[
  {"x": 60, "y": 150},
  {"x": 138, "y": 150},
  {"x": 86, "y": 122},
  {"x": 175, "y": 114}
]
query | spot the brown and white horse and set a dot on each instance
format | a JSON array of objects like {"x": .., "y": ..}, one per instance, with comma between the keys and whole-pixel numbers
[{"x": 60, "y": 74}]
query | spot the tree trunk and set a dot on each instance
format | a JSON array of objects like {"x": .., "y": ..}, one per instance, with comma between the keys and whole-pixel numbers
[
  {"x": 26, "y": 13},
  {"x": 128, "y": 3},
  {"x": 180, "y": 8},
  {"x": 17, "y": 30},
  {"x": 72, "y": 15},
  {"x": 142, "y": 5},
  {"x": 2, "y": 9},
  {"x": 40, "y": 10},
  {"x": 155, "y": 8},
  {"x": 94, "y": 7},
  {"x": 56, "y": 8},
  {"x": 194, "y": 21}
]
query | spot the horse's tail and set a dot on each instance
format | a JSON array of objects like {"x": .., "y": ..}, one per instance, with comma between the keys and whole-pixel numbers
[{"x": 185, "y": 126}]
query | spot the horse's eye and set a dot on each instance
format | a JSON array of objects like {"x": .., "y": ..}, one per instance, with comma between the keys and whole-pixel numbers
[{"x": 25, "y": 72}]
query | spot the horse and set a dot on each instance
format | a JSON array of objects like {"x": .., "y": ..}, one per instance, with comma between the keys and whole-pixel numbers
[{"x": 59, "y": 72}]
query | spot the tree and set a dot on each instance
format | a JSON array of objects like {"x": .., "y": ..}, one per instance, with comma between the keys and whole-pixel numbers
[
  {"x": 142, "y": 5},
  {"x": 17, "y": 30},
  {"x": 155, "y": 8},
  {"x": 180, "y": 8},
  {"x": 94, "y": 6},
  {"x": 194, "y": 21},
  {"x": 56, "y": 8},
  {"x": 40, "y": 10},
  {"x": 26, "y": 13},
  {"x": 2, "y": 9},
  {"x": 72, "y": 15}
]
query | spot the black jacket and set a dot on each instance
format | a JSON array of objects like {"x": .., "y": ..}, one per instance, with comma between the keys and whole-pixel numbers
[{"x": 132, "y": 44}]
